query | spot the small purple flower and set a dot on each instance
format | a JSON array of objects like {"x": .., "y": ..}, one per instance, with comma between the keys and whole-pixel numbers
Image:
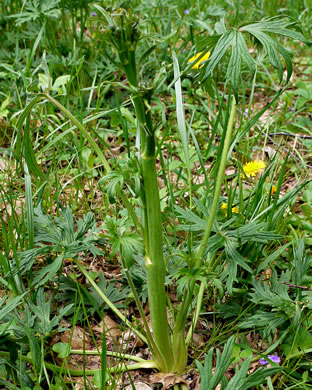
[
  {"x": 274, "y": 358},
  {"x": 186, "y": 11},
  {"x": 291, "y": 109},
  {"x": 93, "y": 14}
]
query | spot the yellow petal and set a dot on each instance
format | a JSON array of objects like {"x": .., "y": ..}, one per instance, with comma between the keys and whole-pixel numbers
[{"x": 199, "y": 64}]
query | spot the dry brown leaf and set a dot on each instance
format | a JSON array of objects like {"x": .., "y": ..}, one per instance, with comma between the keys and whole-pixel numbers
[
  {"x": 198, "y": 339},
  {"x": 7, "y": 210},
  {"x": 7, "y": 165},
  {"x": 168, "y": 380},
  {"x": 230, "y": 171},
  {"x": 109, "y": 326},
  {"x": 270, "y": 151},
  {"x": 139, "y": 386},
  {"x": 79, "y": 339}
]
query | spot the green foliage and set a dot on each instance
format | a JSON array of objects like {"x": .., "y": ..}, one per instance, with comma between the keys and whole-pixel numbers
[
  {"x": 44, "y": 325},
  {"x": 58, "y": 238},
  {"x": 213, "y": 379},
  {"x": 114, "y": 294},
  {"x": 281, "y": 308},
  {"x": 234, "y": 40},
  {"x": 121, "y": 239},
  {"x": 231, "y": 240},
  {"x": 253, "y": 275},
  {"x": 37, "y": 9}
]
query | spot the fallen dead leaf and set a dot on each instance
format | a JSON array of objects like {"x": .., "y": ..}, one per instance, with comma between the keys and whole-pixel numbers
[
  {"x": 131, "y": 340},
  {"x": 79, "y": 339},
  {"x": 7, "y": 165},
  {"x": 230, "y": 171},
  {"x": 168, "y": 380},
  {"x": 139, "y": 386},
  {"x": 7, "y": 211},
  {"x": 110, "y": 326}
]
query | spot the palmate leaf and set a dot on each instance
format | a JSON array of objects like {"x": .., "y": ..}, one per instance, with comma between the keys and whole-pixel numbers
[
  {"x": 62, "y": 237},
  {"x": 234, "y": 39},
  {"x": 115, "y": 294},
  {"x": 268, "y": 321}
]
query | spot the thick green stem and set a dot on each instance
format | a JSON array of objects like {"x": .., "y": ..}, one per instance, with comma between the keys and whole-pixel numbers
[
  {"x": 154, "y": 262},
  {"x": 151, "y": 342},
  {"x": 130, "y": 69},
  {"x": 182, "y": 314}
]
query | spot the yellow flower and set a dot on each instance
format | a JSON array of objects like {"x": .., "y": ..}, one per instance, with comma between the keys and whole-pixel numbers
[
  {"x": 224, "y": 207},
  {"x": 199, "y": 64},
  {"x": 235, "y": 210},
  {"x": 273, "y": 190},
  {"x": 252, "y": 168}
]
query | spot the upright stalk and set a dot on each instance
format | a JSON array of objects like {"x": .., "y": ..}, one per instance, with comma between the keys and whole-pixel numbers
[
  {"x": 182, "y": 314},
  {"x": 151, "y": 342},
  {"x": 154, "y": 262},
  {"x": 123, "y": 33},
  {"x": 220, "y": 178}
]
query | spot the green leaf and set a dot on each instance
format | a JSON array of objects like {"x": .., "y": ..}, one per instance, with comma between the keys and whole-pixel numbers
[
  {"x": 180, "y": 115},
  {"x": 45, "y": 274},
  {"x": 29, "y": 208},
  {"x": 10, "y": 305},
  {"x": 35, "y": 351},
  {"x": 235, "y": 40},
  {"x": 62, "y": 349},
  {"x": 234, "y": 66},
  {"x": 223, "y": 43},
  {"x": 273, "y": 256},
  {"x": 109, "y": 289}
]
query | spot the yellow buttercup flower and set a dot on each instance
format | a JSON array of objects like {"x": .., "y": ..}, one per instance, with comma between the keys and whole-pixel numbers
[
  {"x": 235, "y": 210},
  {"x": 273, "y": 190},
  {"x": 252, "y": 168},
  {"x": 199, "y": 64},
  {"x": 224, "y": 207}
]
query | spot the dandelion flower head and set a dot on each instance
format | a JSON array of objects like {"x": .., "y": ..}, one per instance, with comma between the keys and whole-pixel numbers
[
  {"x": 252, "y": 168},
  {"x": 199, "y": 64}
]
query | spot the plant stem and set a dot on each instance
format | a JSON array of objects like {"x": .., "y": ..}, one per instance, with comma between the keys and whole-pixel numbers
[
  {"x": 108, "y": 353},
  {"x": 151, "y": 342},
  {"x": 73, "y": 372},
  {"x": 182, "y": 314},
  {"x": 197, "y": 311},
  {"x": 220, "y": 177},
  {"x": 154, "y": 261}
]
